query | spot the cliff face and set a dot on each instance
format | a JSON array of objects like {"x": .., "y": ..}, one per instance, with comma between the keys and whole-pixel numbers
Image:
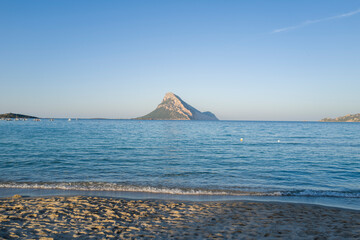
[
  {"x": 347, "y": 118},
  {"x": 174, "y": 108}
]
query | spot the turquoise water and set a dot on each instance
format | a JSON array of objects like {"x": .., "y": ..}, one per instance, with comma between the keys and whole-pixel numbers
[{"x": 310, "y": 160}]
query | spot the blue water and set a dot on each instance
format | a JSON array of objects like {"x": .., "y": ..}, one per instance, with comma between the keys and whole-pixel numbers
[{"x": 275, "y": 159}]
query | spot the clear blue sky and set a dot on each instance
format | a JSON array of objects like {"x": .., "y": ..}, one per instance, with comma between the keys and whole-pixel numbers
[{"x": 242, "y": 60}]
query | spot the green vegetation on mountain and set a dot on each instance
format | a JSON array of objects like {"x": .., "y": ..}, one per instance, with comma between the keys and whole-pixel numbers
[
  {"x": 163, "y": 114},
  {"x": 15, "y": 115},
  {"x": 347, "y": 118}
]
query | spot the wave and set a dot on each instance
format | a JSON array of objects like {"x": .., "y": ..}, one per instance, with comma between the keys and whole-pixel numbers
[
  {"x": 114, "y": 187},
  {"x": 97, "y": 186}
]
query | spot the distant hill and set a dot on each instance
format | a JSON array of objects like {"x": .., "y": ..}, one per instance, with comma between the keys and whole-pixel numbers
[
  {"x": 174, "y": 108},
  {"x": 347, "y": 118},
  {"x": 15, "y": 115}
]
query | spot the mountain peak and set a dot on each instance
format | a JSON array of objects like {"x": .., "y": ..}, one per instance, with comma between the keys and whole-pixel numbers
[
  {"x": 173, "y": 107},
  {"x": 170, "y": 95}
]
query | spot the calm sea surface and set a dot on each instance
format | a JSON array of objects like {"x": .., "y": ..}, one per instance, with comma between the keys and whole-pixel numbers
[{"x": 275, "y": 160}]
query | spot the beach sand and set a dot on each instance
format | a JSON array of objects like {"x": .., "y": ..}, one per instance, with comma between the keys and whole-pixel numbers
[{"x": 108, "y": 218}]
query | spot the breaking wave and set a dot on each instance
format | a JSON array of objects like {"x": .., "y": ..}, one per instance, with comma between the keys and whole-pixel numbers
[{"x": 101, "y": 186}]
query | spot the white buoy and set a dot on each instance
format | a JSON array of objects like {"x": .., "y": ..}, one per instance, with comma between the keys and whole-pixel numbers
[{"x": 278, "y": 140}]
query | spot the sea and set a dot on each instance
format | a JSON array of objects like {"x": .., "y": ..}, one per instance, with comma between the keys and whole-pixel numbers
[{"x": 304, "y": 162}]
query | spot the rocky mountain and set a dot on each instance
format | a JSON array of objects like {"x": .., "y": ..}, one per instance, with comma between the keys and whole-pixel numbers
[
  {"x": 347, "y": 118},
  {"x": 15, "y": 115},
  {"x": 173, "y": 107}
]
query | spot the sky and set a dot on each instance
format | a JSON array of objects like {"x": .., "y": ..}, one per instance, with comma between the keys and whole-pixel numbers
[{"x": 242, "y": 60}]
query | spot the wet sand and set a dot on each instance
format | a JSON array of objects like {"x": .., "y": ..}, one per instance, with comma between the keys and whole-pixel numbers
[{"x": 108, "y": 218}]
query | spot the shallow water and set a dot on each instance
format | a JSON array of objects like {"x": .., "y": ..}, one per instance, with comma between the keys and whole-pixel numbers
[{"x": 307, "y": 160}]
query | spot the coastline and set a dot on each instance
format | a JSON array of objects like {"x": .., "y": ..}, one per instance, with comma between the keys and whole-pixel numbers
[
  {"x": 85, "y": 217},
  {"x": 352, "y": 203}
]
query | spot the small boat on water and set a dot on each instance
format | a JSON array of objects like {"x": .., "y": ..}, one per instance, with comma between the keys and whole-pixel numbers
[{"x": 69, "y": 119}]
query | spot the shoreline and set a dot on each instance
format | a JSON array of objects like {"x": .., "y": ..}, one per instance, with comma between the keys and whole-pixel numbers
[
  {"x": 85, "y": 217},
  {"x": 336, "y": 202}
]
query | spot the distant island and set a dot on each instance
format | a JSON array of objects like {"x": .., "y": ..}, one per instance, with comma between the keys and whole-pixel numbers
[
  {"x": 15, "y": 115},
  {"x": 347, "y": 118},
  {"x": 173, "y": 107}
]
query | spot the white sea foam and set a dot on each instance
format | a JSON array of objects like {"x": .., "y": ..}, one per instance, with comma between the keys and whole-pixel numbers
[{"x": 97, "y": 186}]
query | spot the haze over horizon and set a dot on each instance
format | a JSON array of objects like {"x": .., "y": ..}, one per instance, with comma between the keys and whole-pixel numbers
[{"x": 256, "y": 60}]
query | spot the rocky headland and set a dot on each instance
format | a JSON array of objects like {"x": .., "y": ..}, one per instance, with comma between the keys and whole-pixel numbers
[
  {"x": 347, "y": 118},
  {"x": 15, "y": 115},
  {"x": 173, "y": 107}
]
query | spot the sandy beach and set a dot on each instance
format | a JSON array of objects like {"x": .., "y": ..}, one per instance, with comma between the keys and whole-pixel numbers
[{"x": 107, "y": 218}]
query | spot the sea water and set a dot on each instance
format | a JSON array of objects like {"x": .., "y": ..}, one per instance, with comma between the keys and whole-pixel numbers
[{"x": 311, "y": 162}]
